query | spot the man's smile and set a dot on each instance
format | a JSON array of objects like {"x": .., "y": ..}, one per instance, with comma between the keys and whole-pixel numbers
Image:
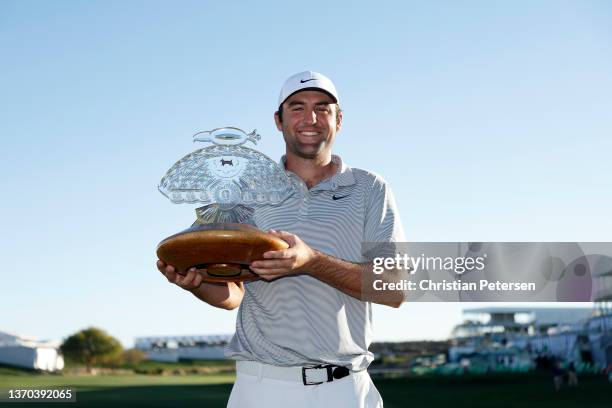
[{"x": 309, "y": 135}]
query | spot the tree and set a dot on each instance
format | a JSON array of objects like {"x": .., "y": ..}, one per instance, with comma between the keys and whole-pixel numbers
[
  {"x": 133, "y": 356},
  {"x": 90, "y": 347}
]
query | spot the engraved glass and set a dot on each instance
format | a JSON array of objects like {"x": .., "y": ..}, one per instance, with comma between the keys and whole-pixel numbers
[{"x": 227, "y": 177}]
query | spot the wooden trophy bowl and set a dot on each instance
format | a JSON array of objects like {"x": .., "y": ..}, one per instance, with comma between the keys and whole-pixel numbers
[{"x": 220, "y": 252}]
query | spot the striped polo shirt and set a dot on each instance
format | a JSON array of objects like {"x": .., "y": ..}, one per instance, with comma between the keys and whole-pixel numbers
[{"x": 298, "y": 320}]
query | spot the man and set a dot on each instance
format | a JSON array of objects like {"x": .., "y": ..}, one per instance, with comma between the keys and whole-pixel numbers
[{"x": 302, "y": 331}]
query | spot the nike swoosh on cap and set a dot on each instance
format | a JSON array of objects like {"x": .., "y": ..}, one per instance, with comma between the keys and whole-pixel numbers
[{"x": 306, "y": 80}]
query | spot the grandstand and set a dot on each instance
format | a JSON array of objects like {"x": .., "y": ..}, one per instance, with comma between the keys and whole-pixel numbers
[
  {"x": 581, "y": 335},
  {"x": 175, "y": 348}
]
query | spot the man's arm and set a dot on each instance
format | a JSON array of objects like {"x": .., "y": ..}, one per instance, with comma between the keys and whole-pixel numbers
[
  {"x": 223, "y": 295},
  {"x": 345, "y": 276}
]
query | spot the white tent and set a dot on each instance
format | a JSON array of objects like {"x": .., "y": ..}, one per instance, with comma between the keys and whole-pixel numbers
[{"x": 30, "y": 353}]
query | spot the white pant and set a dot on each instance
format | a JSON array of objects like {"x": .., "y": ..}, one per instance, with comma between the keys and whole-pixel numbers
[{"x": 262, "y": 388}]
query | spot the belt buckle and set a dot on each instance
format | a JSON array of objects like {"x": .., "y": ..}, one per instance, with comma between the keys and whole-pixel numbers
[
  {"x": 319, "y": 367},
  {"x": 333, "y": 373}
]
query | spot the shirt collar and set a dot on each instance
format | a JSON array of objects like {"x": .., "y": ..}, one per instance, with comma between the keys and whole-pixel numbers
[{"x": 342, "y": 178}]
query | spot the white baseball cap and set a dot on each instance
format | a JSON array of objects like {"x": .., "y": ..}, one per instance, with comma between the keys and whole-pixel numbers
[{"x": 307, "y": 80}]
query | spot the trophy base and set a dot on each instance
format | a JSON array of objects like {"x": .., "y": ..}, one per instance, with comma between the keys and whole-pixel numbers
[{"x": 220, "y": 252}]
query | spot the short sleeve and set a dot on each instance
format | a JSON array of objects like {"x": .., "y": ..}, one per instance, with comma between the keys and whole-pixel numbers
[{"x": 382, "y": 222}]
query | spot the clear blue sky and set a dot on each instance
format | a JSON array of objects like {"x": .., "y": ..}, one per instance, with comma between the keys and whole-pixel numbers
[{"x": 491, "y": 120}]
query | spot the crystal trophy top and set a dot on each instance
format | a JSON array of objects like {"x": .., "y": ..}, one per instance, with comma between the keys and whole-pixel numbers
[{"x": 226, "y": 177}]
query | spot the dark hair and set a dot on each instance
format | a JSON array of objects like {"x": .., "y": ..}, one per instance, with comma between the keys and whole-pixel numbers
[{"x": 279, "y": 112}]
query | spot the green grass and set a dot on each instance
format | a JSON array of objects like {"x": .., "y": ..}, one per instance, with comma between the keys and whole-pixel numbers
[
  {"x": 144, "y": 365},
  {"x": 498, "y": 391},
  {"x": 132, "y": 390},
  {"x": 181, "y": 367},
  {"x": 212, "y": 391},
  {"x": 86, "y": 383}
]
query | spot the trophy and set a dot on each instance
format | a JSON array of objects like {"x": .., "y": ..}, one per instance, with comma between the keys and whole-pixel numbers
[{"x": 230, "y": 180}]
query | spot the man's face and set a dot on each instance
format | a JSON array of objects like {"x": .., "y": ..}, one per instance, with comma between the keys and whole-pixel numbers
[{"x": 310, "y": 123}]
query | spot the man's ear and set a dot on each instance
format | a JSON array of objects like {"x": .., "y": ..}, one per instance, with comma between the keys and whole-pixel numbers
[
  {"x": 279, "y": 124},
  {"x": 338, "y": 120}
]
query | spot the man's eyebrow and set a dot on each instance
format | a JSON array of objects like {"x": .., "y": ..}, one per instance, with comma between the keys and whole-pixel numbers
[{"x": 322, "y": 103}]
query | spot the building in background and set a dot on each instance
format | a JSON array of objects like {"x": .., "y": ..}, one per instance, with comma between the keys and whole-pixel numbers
[
  {"x": 519, "y": 338},
  {"x": 175, "y": 348},
  {"x": 28, "y": 352}
]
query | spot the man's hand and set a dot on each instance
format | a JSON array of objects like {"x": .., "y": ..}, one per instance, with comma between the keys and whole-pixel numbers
[
  {"x": 190, "y": 281},
  {"x": 290, "y": 261},
  {"x": 225, "y": 295},
  {"x": 300, "y": 258}
]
